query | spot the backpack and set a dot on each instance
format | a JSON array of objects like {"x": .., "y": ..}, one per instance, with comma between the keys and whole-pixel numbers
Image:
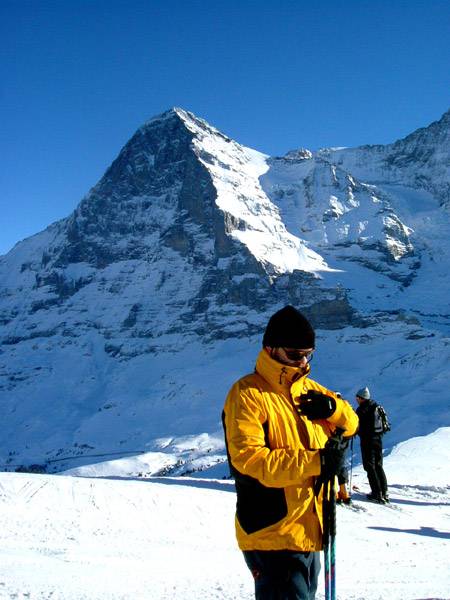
[{"x": 381, "y": 421}]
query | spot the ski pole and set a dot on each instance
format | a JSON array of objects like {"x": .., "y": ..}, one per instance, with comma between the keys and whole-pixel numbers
[
  {"x": 329, "y": 525},
  {"x": 351, "y": 463},
  {"x": 329, "y": 539},
  {"x": 326, "y": 539},
  {"x": 332, "y": 534}
]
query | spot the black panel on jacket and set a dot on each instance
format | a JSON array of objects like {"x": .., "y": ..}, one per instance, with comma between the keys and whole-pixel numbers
[{"x": 257, "y": 506}]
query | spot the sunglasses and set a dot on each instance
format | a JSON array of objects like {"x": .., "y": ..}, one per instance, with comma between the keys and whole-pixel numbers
[{"x": 298, "y": 355}]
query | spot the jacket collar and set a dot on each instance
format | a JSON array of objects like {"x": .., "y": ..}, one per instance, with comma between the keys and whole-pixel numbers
[{"x": 280, "y": 377}]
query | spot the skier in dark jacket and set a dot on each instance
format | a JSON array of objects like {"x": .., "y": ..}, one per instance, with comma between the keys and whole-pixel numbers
[{"x": 371, "y": 447}]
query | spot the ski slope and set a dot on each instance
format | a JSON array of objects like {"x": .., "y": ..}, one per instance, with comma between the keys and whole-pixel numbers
[{"x": 74, "y": 538}]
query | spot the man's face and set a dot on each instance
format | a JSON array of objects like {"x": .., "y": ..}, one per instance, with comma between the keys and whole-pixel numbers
[{"x": 292, "y": 357}]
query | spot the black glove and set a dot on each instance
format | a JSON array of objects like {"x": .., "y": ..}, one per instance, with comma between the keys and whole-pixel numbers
[
  {"x": 332, "y": 456},
  {"x": 315, "y": 405},
  {"x": 331, "y": 461}
]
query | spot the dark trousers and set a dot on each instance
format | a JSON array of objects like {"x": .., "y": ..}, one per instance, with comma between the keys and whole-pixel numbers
[
  {"x": 342, "y": 475},
  {"x": 284, "y": 574},
  {"x": 372, "y": 458}
]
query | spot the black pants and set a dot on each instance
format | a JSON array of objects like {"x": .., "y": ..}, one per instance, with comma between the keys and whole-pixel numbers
[
  {"x": 342, "y": 475},
  {"x": 372, "y": 457},
  {"x": 284, "y": 574}
]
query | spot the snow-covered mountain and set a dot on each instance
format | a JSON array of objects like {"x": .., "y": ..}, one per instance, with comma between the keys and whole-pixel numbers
[{"x": 123, "y": 325}]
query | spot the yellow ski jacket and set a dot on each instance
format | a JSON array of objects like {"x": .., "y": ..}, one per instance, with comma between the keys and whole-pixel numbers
[{"x": 274, "y": 456}]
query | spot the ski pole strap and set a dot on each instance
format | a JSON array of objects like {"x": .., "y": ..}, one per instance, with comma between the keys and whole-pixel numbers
[{"x": 334, "y": 441}]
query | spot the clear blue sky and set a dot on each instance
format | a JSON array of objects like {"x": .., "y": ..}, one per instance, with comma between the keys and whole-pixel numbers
[{"x": 77, "y": 78}]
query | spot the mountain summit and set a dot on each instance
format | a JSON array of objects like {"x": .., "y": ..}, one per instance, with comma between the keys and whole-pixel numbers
[{"x": 187, "y": 244}]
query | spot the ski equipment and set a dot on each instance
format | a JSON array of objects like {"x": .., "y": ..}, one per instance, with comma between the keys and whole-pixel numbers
[
  {"x": 351, "y": 465},
  {"x": 329, "y": 539},
  {"x": 329, "y": 519}
]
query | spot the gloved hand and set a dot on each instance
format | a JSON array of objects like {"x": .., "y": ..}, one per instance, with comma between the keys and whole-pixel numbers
[
  {"x": 331, "y": 462},
  {"x": 332, "y": 458},
  {"x": 315, "y": 405}
]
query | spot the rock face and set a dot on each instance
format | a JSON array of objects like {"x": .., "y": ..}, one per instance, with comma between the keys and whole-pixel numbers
[{"x": 190, "y": 239}]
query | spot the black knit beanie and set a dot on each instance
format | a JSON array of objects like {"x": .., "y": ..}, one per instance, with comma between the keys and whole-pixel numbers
[{"x": 288, "y": 328}]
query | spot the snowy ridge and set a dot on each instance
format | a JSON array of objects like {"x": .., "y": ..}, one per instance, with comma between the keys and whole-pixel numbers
[
  {"x": 251, "y": 217},
  {"x": 420, "y": 160}
]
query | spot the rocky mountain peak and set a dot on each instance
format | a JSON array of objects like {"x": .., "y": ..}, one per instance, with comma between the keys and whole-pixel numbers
[
  {"x": 427, "y": 144},
  {"x": 298, "y": 155},
  {"x": 194, "y": 124}
]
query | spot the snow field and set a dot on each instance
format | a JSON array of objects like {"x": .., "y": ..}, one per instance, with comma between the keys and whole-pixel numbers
[
  {"x": 73, "y": 538},
  {"x": 69, "y": 538}
]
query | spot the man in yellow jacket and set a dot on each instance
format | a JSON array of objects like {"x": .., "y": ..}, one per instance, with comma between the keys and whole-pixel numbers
[{"x": 277, "y": 422}]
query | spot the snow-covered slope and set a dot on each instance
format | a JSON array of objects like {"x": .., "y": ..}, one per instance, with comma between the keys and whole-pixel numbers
[
  {"x": 341, "y": 215},
  {"x": 173, "y": 539},
  {"x": 124, "y": 325}
]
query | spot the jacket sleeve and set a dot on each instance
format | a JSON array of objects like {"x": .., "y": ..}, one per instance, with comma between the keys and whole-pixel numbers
[
  {"x": 344, "y": 417},
  {"x": 244, "y": 420}
]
